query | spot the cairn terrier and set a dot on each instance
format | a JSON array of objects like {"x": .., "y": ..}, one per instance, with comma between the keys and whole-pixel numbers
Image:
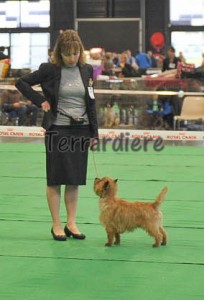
[
  {"x": 111, "y": 118},
  {"x": 118, "y": 215}
]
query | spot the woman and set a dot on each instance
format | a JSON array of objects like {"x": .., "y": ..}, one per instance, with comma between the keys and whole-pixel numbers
[
  {"x": 70, "y": 123},
  {"x": 126, "y": 68},
  {"x": 171, "y": 61}
]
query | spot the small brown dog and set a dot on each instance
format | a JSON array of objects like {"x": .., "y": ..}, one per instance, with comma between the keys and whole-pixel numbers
[
  {"x": 118, "y": 215},
  {"x": 111, "y": 118}
]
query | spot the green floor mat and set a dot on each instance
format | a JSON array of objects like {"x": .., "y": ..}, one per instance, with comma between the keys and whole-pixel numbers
[{"x": 34, "y": 266}]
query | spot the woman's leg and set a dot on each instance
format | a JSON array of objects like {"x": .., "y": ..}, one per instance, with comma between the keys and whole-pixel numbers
[
  {"x": 53, "y": 198},
  {"x": 71, "y": 201}
]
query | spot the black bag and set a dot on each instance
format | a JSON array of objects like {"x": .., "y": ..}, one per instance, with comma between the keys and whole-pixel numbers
[
  {"x": 77, "y": 120},
  {"x": 74, "y": 120}
]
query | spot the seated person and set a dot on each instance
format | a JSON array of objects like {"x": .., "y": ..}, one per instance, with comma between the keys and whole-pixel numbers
[
  {"x": 161, "y": 111},
  {"x": 143, "y": 60},
  {"x": 131, "y": 60},
  {"x": 13, "y": 102},
  {"x": 152, "y": 59},
  {"x": 127, "y": 69},
  {"x": 108, "y": 68},
  {"x": 171, "y": 61}
]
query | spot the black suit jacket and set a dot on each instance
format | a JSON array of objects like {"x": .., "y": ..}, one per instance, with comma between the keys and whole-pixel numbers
[{"x": 48, "y": 76}]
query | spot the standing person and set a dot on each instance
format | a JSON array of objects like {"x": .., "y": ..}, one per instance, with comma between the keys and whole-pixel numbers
[
  {"x": 70, "y": 122},
  {"x": 171, "y": 61}
]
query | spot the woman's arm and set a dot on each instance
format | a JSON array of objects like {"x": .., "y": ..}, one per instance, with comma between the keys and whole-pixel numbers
[{"x": 25, "y": 83}]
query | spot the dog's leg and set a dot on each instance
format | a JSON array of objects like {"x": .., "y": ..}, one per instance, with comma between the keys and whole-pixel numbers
[
  {"x": 158, "y": 240},
  {"x": 117, "y": 239},
  {"x": 110, "y": 235},
  {"x": 154, "y": 232},
  {"x": 164, "y": 235},
  {"x": 109, "y": 124}
]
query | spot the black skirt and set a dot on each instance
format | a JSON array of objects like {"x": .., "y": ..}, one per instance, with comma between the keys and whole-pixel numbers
[{"x": 67, "y": 154}]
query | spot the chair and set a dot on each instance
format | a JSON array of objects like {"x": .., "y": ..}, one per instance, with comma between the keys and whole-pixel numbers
[{"x": 192, "y": 110}]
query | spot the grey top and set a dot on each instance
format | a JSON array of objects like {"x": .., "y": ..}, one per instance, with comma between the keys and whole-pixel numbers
[{"x": 71, "y": 96}]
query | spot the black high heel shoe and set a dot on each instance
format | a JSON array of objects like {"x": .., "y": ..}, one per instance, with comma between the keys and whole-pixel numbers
[
  {"x": 68, "y": 233},
  {"x": 58, "y": 237}
]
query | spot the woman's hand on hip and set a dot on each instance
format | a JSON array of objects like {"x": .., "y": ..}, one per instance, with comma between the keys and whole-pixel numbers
[{"x": 45, "y": 106}]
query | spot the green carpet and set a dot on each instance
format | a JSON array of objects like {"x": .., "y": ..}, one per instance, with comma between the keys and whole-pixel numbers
[{"x": 34, "y": 266}]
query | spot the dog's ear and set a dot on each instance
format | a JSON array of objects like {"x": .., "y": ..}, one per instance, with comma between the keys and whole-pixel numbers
[
  {"x": 116, "y": 180},
  {"x": 106, "y": 185}
]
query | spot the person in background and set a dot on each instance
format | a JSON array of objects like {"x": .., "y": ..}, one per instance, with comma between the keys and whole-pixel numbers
[
  {"x": 181, "y": 57},
  {"x": 115, "y": 58},
  {"x": 143, "y": 60},
  {"x": 71, "y": 126},
  {"x": 160, "y": 110},
  {"x": 131, "y": 60},
  {"x": 152, "y": 59},
  {"x": 126, "y": 69},
  {"x": 2, "y": 55},
  {"x": 95, "y": 59},
  {"x": 171, "y": 61},
  {"x": 13, "y": 102},
  {"x": 108, "y": 65}
]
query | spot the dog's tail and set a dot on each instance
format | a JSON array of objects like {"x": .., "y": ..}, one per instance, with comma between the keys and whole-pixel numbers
[{"x": 160, "y": 197}]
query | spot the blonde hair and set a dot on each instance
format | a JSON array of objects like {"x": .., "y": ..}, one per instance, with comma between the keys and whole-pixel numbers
[
  {"x": 68, "y": 40},
  {"x": 124, "y": 56}
]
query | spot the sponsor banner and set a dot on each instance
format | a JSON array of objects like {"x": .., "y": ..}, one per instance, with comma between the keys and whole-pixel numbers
[
  {"x": 153, "y": 134},
  {"x": 38, "y": 132},
  {"x": 21, "y": 131}
]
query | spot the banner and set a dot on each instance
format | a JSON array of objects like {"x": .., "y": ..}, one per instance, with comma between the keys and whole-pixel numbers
[{"x": 38, "y": 132}]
